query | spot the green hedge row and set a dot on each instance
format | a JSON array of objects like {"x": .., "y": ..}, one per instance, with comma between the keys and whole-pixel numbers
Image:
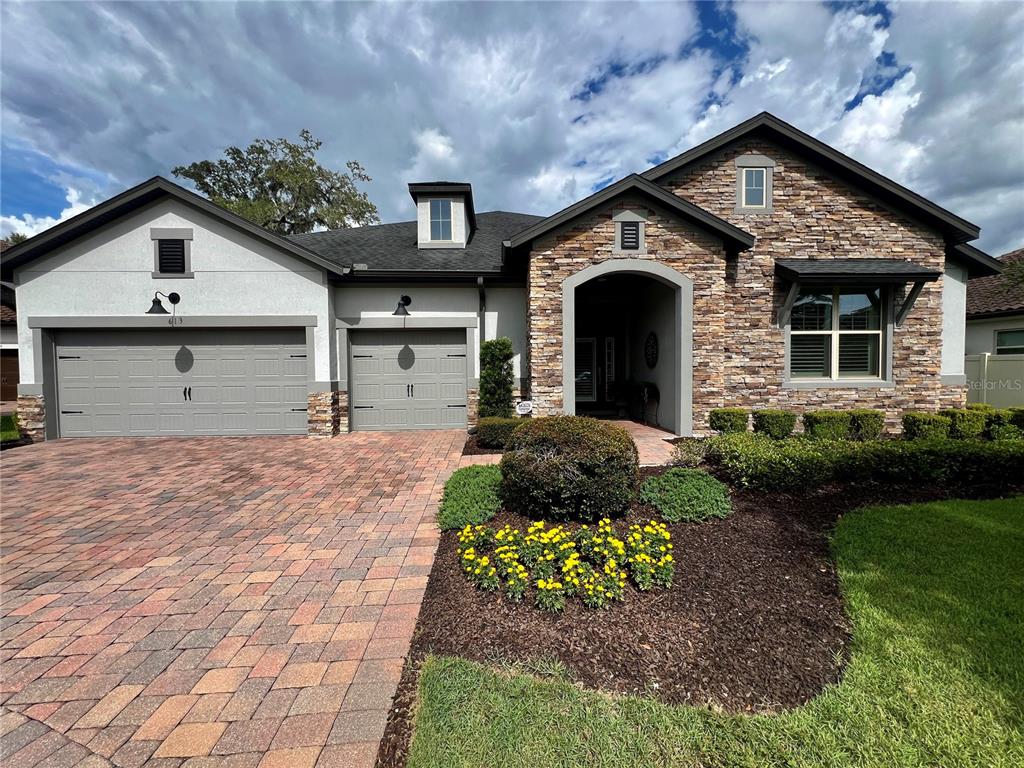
[
  {"x": 470, "y": 497},
  {"x": 975, "y": 421},
  {"x": 756, "y": 461}
]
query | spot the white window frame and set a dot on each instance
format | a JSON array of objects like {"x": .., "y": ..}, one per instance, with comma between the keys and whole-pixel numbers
[
  {"x": 450, "y": 219},
  {"x": 996, "y": 346},
  {"x": 744, "y": 187},
  {"x": 766, "y": 165},
  {"x": 835, "y": 333}
]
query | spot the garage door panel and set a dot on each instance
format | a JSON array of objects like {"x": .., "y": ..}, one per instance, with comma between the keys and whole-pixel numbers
[
  {"x": 132, "y": 382},
  {"x": 385, "y": 363}
]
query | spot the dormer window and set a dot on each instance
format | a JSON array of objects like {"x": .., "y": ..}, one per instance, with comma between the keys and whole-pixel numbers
[
  {"x": 754, "y": 183},
  {"x": 445, "y": 217},
  {"x": 441, "y": 220}
]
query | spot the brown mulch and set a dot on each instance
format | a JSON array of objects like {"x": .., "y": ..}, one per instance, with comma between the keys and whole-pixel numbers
[
  {"x": 473, "y": 448},
  {"x": 753, "y": 622}
]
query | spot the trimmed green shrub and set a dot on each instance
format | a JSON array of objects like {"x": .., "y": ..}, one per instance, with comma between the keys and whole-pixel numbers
[
  {"x": 470, "y": 497},
  {"x": 919, "y": 425},
  {"x": 689, "y": 452},
  {"x": 936, "y": 461},
  {"x": 999, "y": 425},
  {"x": 494, "y": 431},
  {"x": 774, "y": 423},
  {"x": 496, "y": 378},
  {"x": 827, "y": 425},
  {"x": 1017, "y": 418},
  {"x": 569, "y": 467},
  {"x": 965, "y": 424},
  {"x": 757, "y": 461},
  {"x": 980, "y": 407},
  {"x": 728, "y": 420},
  {"x": 686, "y": 496},
  {"x": 866, "y": 424}
]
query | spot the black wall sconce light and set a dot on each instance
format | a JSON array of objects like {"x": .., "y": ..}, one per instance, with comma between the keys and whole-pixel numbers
[
  {"x": 157, "y": 308},
  {"x": 400, "y": 310}
]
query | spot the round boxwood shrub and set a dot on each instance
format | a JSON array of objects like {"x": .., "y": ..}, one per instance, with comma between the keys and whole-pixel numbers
[
  {"x": 827, "y": 425},
  {"x": 569, "y": 467},
  {"x": 774, "y": 423},
  {"x": 728, "y": 420},
  {"x": 494, "y": 431},
  {"x": 965, "y": 423},
  {"x": 920, "y": 425},
  {"x": 686, "y": 496},
  {"x": 999, "y": 425},
  {"x": 866, "y": 424},
  {"x": 980, "y": 407},
  {"x": 689, "y": 452}
]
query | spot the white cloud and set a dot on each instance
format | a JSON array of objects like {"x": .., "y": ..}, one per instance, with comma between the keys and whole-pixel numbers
[
  {"x": 30, "y": 225},
  {"x": 485, "y": 92}
]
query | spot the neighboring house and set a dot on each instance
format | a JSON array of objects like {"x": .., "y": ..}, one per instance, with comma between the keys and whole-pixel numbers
[
  {"x": 760, "y": 268},
  {"x": 995, "y": 327},
  {"x": 8, "y": 339}
]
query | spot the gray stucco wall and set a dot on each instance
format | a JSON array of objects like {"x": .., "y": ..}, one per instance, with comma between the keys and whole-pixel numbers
[
  {"x": 981, "y": 334},
  {"x": 109, "y": 273},
  {"x": 954, "y": 316}
]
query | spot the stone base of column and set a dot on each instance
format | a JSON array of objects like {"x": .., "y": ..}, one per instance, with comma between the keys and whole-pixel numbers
[
  {"x": 323, "y": 414},
  {"x": 32, "y": 417}
]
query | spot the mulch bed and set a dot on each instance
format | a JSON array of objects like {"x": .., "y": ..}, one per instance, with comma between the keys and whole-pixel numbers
[
  {"x": 473, "y": 448},
  {"x": 753, "y": 622}
]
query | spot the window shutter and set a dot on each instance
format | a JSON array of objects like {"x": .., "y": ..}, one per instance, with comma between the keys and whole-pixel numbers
[
  {"x": 629, "y": 236},
  {"x": 171, "y": 256}
]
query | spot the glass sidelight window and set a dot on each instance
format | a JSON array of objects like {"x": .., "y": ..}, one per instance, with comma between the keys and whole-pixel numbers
[{"x": 837, "y": 333}]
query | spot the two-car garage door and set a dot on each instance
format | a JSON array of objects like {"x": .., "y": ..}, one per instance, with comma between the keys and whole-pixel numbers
[{"x": 181, "y": 382}]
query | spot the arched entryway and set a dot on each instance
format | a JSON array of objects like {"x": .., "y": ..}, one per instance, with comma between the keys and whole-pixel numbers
[{"x": 613, "y": 313}]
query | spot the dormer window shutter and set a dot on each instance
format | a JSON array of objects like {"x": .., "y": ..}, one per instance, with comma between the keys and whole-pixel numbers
[
  {"x": 171, "y": 256},
  {"x": 629, "y": 236}
]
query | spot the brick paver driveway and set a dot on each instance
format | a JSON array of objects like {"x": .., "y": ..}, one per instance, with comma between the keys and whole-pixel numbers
[{"x": 213, "y": 601}]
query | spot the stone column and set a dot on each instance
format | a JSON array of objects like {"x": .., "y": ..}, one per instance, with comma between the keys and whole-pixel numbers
[
  {"x": 342, "y": 412},
  {"x": 32, "y": 417},
  {"x": 323, "y": 414},
  {"x": 472, "y": 407}
]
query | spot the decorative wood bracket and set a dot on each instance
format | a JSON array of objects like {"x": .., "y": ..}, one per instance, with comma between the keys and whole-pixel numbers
[
  {"x": 908, "y": 303},
  {"x": 787, "y": 305}
]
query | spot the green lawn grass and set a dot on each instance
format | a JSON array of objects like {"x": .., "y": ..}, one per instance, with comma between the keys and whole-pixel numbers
[
  {"x": 8, "y": 427},
  {"x": 936, "y": 675}
]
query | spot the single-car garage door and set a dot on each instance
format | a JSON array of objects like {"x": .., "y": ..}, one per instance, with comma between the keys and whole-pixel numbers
[
  {"x": 181, "y": 382},
  {"x": 408, "y": 380}
]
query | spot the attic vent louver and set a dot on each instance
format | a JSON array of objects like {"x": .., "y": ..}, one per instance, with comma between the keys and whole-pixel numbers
[{"x": 629, "y": 237}]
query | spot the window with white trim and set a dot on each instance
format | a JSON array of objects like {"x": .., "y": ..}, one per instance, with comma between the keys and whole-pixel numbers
[
  {"x": 837, "y": 333},
  {"x": 754, "y": 188},
  {"x": 1010, "y": 342},
  {"x": 440, "y": 219}
]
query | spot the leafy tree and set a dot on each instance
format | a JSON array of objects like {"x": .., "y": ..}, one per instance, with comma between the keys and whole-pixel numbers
[
  {"x": 496, "y": 377},
  {"x": 279, "y": 185},
  {"x": 16, "y": 237}
]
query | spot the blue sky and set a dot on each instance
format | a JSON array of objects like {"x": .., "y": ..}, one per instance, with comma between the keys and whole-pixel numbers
[{"x": 535, "y": 104}]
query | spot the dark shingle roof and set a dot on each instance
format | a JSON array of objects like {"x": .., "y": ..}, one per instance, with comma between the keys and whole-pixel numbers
[
  {"x": 997, "y": 294},
  {"x": 885, "y": 270},
  {"x": 392, "y": 247}
]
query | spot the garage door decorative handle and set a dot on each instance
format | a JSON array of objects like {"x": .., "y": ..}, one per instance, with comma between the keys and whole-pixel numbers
[{"x": 184, "y": 393}]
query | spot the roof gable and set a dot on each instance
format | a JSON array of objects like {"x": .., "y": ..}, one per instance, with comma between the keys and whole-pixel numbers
[
  {"x": 954, "y": 227},
  {"x": 132, "y": 200},
  {"x": 735, "y": 238}
]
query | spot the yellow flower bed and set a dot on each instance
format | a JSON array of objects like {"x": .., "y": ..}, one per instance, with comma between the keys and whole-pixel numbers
[{"x": 592, "y": 564}]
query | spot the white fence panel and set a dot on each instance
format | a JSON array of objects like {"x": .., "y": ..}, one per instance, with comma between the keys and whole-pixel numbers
[{"x": 995, "y": 379}]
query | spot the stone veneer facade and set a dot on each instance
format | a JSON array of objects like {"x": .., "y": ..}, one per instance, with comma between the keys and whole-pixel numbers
[
  {"x": 738, "y": 348},
  {"x": 324, "y": 414},
  {"x": 32, "y": 417}
]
